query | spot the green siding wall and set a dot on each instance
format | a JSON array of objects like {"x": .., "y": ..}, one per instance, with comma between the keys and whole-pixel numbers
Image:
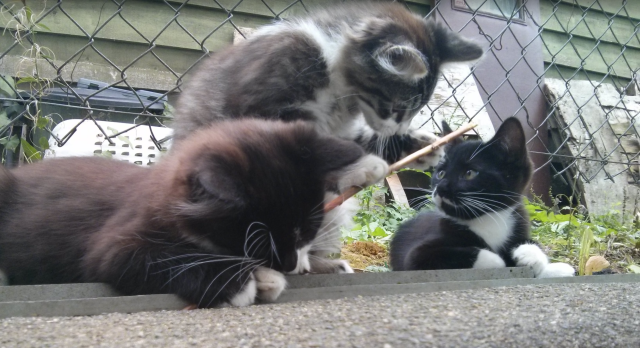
[
  {"x": 598, "y": 37},
  {"x": 121, "y": 44}
]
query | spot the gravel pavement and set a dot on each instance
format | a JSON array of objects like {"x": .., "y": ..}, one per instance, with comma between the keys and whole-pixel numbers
[{"x": 561, "y": 315}]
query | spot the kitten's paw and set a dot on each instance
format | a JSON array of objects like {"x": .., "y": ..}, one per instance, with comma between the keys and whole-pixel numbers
[
  {"x": 369, "y": 170},
  {"x": 247, "y": 295},
  {"x": 557, "y": 270},
  {"x": 344, "y": 267},
  {"x": 270, "y": 283},
  {"x": 420, "y": 139},
  {"x": 531, "y": 255},
  {"x": 488, "y": 259},
  {"x": 321, "y": 265}
]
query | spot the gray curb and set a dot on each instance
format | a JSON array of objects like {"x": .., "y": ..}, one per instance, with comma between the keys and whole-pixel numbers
[{"x": 93, "y": 299}]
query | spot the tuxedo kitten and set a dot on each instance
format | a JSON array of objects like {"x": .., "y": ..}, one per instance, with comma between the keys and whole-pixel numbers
[
  {"x": 480, "y": 220},
  {"x": 219, "y": 221},
  {"x": 358, "y": 70}
]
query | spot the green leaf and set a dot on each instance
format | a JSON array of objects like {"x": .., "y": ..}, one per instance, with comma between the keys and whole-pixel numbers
[
  {"x": 29, "y": 151},
  {"x": 120, "y": 137},
  {"x": 4, "y": 120},
  {"x": 634, "y": 269},
  {"x": 42, "y": 26},
  {"x": 379, "y": 232},
  {"x": 44, "y": 143},
  {"x": 28, "y": 79},
  {"x": 42, "y": 122},
  {"x": 29, "y": 13},
  {"x": 10, "y": 144}
]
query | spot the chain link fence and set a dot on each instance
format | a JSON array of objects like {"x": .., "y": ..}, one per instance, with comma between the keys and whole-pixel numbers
[{"x": 567, "y": 68}]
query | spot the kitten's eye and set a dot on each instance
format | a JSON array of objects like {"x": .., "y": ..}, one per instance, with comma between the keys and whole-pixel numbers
[
  {"x": 470, "y": 174},
  {"x": 440, "y": 174}
]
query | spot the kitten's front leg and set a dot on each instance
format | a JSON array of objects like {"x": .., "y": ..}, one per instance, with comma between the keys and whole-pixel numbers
[
  {"x": 270, "y": 283},
  {"x": 433, "y": 258},
  {"x": 368, "y": 170},
  {"x": 396, "y": 147},
  {"x": 418, "y": 139},
  {"x": 200, "y": 278},
  {"x": 531, "y": 255}
]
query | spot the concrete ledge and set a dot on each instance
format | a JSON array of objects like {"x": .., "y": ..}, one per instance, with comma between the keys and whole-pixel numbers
[
  {"x": 91, "y": 306},
  {"x": 52, "y": 292},
  {"x": 404, "y": 277},
  {"x": 337, "y": 292},
  {"x": 93, "y": 299}
]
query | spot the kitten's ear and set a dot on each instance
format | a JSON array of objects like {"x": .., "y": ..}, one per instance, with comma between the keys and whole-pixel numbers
[
  {"x": 453, "y": 47},
  {"x": 510, "y": 136},
  {"x": 332, "y": 154},
  {"x": 402, "y": 60},
  {"x": 212, "y": 190},
  {"x": 447, "y": 130}
]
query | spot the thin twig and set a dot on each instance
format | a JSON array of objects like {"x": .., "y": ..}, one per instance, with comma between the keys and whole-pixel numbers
[{"x": 402, "y": 163}]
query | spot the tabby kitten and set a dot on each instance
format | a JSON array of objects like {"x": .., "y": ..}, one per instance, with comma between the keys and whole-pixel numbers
[
  {"x": 358, "y": 70},
  {"x": 481, "y": 221},
  {"x": 219, "y": 221}
]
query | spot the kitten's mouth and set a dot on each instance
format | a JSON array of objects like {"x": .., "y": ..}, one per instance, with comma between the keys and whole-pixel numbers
[{"x": 439, "y": 200}]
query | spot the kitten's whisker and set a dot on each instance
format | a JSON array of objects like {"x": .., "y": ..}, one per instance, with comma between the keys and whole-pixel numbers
[
  {"x": 242, "y": 268},
  {"x": 274, "y": 249},
  {"x": 185, "y": 267},
  {"x": 192, "y": 255},
  {"x": 491, "y": 215},
  {"x": 249, "y": 238},
  {"x": 481, "y": 148},
  {"x": 247, "y": 251},
  {"x": 129, "y": 266}
]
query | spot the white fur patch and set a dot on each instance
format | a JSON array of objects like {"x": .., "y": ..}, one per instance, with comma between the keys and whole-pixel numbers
[
  {"x": 488, "y": 259},
  {"x": 531, "y": 255},
  {"x": 345, "y": 267},
  {"x": 385, "y": 127},
  {"x": 330, "y": 45},
  {"x": 247, "y": 295},
  {"x": 494, "y": 228},
  {"x": 303, "y": 265},
  {"x": 270, "y": 283},
  {"x": 557, "y": 270},
  {"x": 369, "y": 170}
]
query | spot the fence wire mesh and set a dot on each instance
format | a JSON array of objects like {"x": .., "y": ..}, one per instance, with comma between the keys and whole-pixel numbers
[{"x": 568, "y": 68}]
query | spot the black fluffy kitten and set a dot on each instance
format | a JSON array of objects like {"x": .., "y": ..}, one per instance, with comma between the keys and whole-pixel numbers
[
  {"x": 481, "y": 221},
  {"x": 216, "y": 222}
]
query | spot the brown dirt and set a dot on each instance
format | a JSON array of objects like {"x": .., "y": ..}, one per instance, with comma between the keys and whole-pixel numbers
[{"x": 363, "y": 254}]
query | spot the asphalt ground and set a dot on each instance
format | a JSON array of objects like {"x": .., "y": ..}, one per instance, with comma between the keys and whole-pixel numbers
[{"x": 556, "y": 315}]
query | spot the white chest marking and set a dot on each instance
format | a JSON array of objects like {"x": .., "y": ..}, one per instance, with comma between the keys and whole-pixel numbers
[{"x": 494, "y": 228}]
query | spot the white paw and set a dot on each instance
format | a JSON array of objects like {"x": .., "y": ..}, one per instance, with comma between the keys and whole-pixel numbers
[
  {"x": 421, "y": 139},
  {"x": 531, "y": 255},
  {"x": 247, "y": 295},
  {"x": 369, "y": 170},
  {"x": 344, "y": 267},
  {"x": 488, "y": 259},
  {"x": 270, "y": 283},
  {"x": 557, "y": 270}
]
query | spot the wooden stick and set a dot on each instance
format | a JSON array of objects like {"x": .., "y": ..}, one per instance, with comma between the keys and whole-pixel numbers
[{"x": 402, "y": 163}]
